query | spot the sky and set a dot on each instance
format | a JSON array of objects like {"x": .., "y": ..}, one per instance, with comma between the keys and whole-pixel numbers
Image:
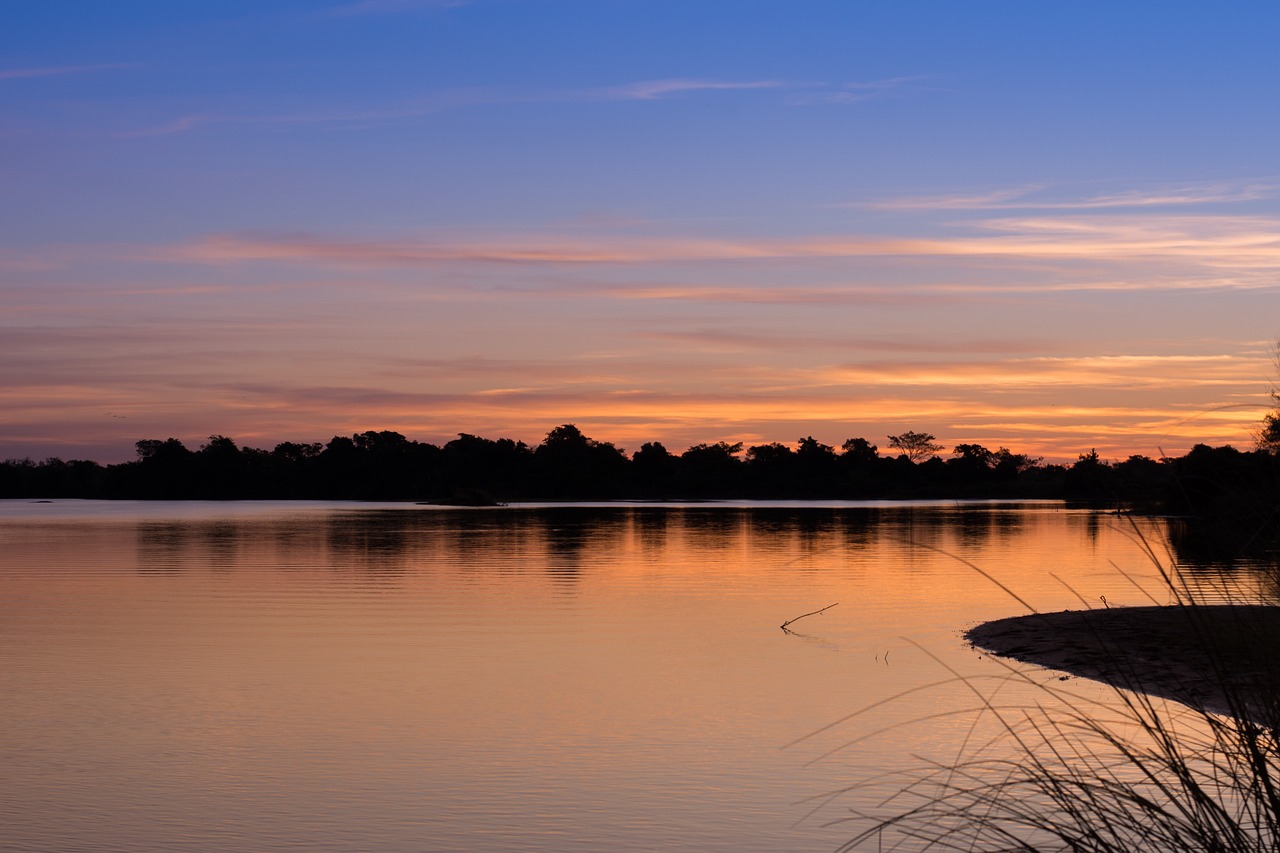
[{"x": 1046, "y": 226}]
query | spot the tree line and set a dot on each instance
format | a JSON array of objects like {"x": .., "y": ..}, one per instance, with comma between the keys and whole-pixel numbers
[{"x": 568, "y": 465}]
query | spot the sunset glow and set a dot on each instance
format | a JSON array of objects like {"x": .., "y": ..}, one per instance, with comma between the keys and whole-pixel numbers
[{"x": 661, "y": 222}]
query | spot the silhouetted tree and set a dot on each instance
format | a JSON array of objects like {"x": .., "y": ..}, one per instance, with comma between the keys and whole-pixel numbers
[
  {"x": 711, "y": 470},
  {"x": 390, "y": 466},
  {"x": 859, "y": 452},
  {"x": 338, "y": 469},
  {"x": 165, "y": 469},
  {"x": 52, "y": 478},
  {"x": 1008, "y": 464},
  {"x": 810, "y": 451},
  {"x": 653, "y": 471},
  {"x": 916, "y": 446},
  {"x": 1211, "y": 482},
  {"x": 167, "y": 451},
  {"x": 816, "y": 470},
  {"x": 971, "y": 468},
  {"x": 1268, "y": 437},
  {"x": 296, "y": 454},
  {"x": 475, "y": 468},
  {"x": 219, "y": 469},
  {"x": 862, "y": 471},
  {"x": 973, "y": 455},
  {"x": 769, "y": 454},
  {"x": 1090, "y": 479},
  {"x": 292, "y": 470},
  {"x": 1142, "y": 479},
  {"x": 771, "y": 470},
  {"x": 568, "y": 464},
  {"x": 930, "y": 477}
]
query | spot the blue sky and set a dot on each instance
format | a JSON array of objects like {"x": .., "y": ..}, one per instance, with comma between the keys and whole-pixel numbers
[{"x": 1043, "y": 226}]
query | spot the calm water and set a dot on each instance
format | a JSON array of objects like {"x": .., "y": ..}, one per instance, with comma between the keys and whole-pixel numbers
[{"x": 356, "y": 677}]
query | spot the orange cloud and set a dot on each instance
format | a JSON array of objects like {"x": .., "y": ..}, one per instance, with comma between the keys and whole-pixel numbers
[
  {"x": 1218, "y": 242},
  {"x": 512, "y": 334}
]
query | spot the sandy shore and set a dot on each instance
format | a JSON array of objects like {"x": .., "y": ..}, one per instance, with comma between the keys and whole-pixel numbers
[{"x": 1219, "y": 658}]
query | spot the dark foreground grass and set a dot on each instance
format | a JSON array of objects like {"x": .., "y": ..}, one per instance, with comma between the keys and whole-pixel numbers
[{"x": 1131, "y": 771}]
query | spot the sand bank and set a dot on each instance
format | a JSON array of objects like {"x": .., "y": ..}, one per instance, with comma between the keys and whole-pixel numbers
[{"x": 1219, "y": 658}]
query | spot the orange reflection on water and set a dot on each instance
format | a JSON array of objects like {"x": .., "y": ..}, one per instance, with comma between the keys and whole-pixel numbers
[{"x": 523, "y": 678}]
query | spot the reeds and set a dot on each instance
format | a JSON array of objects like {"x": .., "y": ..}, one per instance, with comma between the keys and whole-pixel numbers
[{"x": 1127, "y": 772}]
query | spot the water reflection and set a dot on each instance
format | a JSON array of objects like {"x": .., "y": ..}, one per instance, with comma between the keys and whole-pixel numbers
[
  {"x": 161, "y": 547},
  {"x": 651, "y": 530},
  {"x": 375, "y": 544},
  {"x": 571, "y": 539},
  {"x": 167, "y": 547},
  {"x": 1217, "y": 558},
  {"x": 568, "y": 678},
  {"x": 976, "y": 527},
  {"x": 1214, "y": 558}
]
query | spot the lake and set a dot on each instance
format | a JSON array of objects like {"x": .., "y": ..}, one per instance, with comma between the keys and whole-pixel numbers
[{"x": 391, "y": 677}]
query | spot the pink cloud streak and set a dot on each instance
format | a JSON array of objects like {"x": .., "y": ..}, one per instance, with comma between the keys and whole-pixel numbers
[{"x": 1212, "y": 241}]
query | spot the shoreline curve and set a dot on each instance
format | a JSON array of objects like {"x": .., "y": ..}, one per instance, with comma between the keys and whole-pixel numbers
[{"x": 1219, "y": 658}]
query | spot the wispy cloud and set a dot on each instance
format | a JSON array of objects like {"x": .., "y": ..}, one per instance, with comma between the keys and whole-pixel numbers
[
  {"x": 1225, "y": 241},
  {"x": 16, "y": 260},
  {"x": 768, "y": 295},
  {"x": 1095, "y": 372},
  {"x": 1175, "y": 196},
  {"x": 857, "y": 92},
  {"x": 768, "y": 341},
  {"x": 649, "y": 90},
  {"x": 992, "y": 199},
  {"x": 1240, "y": 243},
  {"x": 534, "y": 249},
  {"x": 59, "y": 70},
  {"x": 1032, "y": 198},
  {"x": 181, "y": 124},
  {"x": 408, "y": 110}
]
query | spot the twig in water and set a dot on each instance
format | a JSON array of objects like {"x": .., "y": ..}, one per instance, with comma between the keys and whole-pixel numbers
[{"x": 784, "y": 625}]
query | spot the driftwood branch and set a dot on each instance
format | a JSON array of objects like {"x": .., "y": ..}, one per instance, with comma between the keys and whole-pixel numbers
[{"x": 784, "y": 625}]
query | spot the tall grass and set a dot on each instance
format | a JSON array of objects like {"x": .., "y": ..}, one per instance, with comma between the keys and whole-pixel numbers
[{"x": 1066, "y": 770}]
